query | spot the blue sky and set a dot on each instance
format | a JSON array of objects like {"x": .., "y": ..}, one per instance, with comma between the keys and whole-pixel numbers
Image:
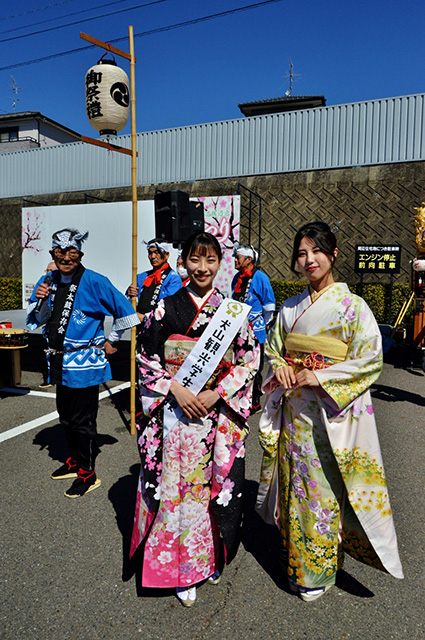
[{"x": 343, "y": 50}]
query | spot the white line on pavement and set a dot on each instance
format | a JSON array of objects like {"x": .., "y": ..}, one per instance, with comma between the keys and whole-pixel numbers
[
  {"x": 27, "y": 392},
  {"x": 33, "y": 424}
]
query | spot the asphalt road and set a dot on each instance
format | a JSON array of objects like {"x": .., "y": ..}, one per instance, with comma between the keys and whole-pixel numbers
[{"x": 65, "y": 573}]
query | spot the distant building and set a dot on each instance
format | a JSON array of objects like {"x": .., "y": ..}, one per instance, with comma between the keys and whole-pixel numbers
[
  {"x": 30, "y": 130},
  {"x": 281, "y": 105}
]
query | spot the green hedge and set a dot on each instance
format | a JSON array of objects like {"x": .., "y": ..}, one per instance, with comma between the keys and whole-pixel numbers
[
  {"x": 377, "y": 297},
  {"x": 10, "y": 293}
]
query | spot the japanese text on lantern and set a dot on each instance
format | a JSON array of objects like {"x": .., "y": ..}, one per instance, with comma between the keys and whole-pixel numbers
[{"x": 93, "y": 106}]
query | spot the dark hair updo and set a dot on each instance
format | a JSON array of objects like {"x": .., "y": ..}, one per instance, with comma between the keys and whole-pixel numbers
[
  {"x": 201, "y": 241},
  {"x": 320, "y": 233}
]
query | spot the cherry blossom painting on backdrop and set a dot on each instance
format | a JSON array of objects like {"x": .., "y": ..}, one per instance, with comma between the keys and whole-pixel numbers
[
  {"x": 221, "y": 219},
  {"x": 108, "y": 247}
]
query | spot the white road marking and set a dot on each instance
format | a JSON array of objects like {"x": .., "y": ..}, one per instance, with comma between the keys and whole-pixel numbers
[
  {"x": 27, "y": 392},
  {"x": 33, "y": 424}
]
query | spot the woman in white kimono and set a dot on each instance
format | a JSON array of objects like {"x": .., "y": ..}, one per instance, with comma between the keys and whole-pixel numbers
[{"x": 322, "y": 479}]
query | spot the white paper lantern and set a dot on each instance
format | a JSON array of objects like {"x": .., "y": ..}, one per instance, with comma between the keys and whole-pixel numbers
[
  {"x": 419, "y": 264},
  {"x": 107, "y": 97}
]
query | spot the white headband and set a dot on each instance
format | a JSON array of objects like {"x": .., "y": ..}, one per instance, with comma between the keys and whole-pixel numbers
[
  {"x": 164, "y": 247},
  {"x": 67, "y": 238},
  {"x": 245, "y": 250}
]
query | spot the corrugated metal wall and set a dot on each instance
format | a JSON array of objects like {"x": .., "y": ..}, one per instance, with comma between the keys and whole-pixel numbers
[{"x": 364, "y": 133}]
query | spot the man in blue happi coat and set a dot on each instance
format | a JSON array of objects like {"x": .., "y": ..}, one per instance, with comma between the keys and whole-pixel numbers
[
  {"x": 157, "y": 283},
  {"x": 72, "y": 305},
  {"x": 252, "y": 286}
]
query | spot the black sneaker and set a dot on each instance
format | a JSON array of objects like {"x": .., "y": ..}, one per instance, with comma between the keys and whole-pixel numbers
[
  {"x": 85, "y": 482},
  {"x": 255, "y": 408},
  {"x": 67, "y": 470}
]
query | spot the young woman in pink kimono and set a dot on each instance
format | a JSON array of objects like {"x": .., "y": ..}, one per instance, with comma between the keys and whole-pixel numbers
[
  {"x": 189, "y": 499},
  {"x": 322, "y": 479}
]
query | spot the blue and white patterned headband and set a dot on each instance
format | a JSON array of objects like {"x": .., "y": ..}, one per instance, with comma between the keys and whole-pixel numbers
[
  {"x": 69, "y": 238},
  {"x": 246, "y": 250},
  {"x": 164, "y": 247}
]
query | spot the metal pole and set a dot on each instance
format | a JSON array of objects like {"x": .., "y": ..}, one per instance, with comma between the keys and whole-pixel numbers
[
  {"x": 134, "y": 229},
  {"x": 391, "y": 298}
]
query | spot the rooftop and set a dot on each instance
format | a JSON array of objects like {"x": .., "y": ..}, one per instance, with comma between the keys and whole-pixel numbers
[
  {"x": 282, "y": 104},
  {"x": 23, "y": 115}
]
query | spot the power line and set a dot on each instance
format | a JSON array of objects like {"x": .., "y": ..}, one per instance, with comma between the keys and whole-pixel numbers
[
  {"x": 144, "y": 33},
  {"x": 72, "y": 24},
  {"x": 67, "y": 15},
  {"x": 25, "y": 13}
]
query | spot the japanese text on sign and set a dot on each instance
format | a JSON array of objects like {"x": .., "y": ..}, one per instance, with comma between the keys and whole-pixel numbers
[{"x": 377, "y": 259}]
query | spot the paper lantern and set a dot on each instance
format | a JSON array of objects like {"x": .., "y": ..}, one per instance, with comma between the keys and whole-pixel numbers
[
  {"x": 107, "y": 97},
  {"x": 419, "y": 264}
]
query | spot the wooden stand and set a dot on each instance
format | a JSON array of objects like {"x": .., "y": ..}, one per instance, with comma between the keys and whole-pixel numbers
[{"x": 10, "y": 366}]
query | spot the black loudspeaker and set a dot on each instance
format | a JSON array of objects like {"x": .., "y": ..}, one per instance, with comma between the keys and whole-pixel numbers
[{"x": 176, "y": 217}]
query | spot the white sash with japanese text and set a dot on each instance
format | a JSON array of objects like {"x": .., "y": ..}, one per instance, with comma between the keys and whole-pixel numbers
[{"x": 205, "y": 356}]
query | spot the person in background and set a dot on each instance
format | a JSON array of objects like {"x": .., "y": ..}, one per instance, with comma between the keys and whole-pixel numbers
[
  {"x": 181, "y": 270},
  {"x": 157, "y": 283},
  {"x": 189, "y": 499},
  {"x": 322, "y": 479},
  {"x": 253, "y": 287},
  {"x": 72, "y": 309},
  {"x": 45, "y": 367}
]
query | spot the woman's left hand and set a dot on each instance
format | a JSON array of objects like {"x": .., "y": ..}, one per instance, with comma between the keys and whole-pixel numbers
[
  {"x": 209, "y": 398},
  {"x": 305, "y": 378}
]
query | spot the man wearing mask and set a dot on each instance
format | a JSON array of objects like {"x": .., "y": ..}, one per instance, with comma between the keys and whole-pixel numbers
[
  {"x": 181, "y": 270},
  {"x": 252, "y": 286}
]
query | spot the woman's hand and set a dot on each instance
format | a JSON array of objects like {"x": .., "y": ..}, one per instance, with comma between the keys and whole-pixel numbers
[
  {"x": 209, "y": 398},
  {"x": 191, "y": 405},
  {"x": 286, "y": 377},
  {"x": 306, "y": 378}
]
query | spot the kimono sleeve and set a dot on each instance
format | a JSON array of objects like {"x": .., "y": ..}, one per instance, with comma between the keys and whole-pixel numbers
[
  {"x": 347, "y": 380},
  {"x": 267, "y": 298},
  {"x": 115, "y": 303},
  {"x": 154, "y": 381},
  {"x": 236, "y": 387},
  {"x": 171, "y": 285},
  {"x": 275, "y": 345}
]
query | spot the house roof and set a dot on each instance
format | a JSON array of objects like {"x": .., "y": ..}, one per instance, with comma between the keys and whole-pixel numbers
[
  {"x": 283, "y": 103},
  {"x": 7, "y": 118}
]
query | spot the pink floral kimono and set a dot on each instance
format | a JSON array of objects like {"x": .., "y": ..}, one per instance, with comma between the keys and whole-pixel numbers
[{"x": 190, "y": 487}]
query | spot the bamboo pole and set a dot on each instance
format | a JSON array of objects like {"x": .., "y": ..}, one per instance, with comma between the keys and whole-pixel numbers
[
  {"x": 404, "y": 309},
  {"x": 134, "y": 228},
  {"x": 131, "y": 57}
]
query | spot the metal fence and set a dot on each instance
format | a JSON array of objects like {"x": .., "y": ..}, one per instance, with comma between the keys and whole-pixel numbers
[{"x": 364, "y": 133}]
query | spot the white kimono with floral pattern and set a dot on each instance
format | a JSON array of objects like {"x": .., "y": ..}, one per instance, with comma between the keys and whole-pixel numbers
[{"x": 322, "y": 479}]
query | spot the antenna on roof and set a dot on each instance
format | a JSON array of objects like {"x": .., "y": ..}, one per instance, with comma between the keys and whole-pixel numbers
[
  {"x": 14, "y": 90},
  {"x": 291, "y": 76}
]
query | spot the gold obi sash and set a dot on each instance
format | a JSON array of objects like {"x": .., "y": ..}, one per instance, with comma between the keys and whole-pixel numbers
[
  {"x": 178, "y": 347},
  {"x": 322, "y": 351}
]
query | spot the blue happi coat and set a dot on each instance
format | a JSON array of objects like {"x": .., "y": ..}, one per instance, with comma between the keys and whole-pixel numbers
[
  {"x": 171, "y": 284},
  {"x": 84, "y": 362},
  {"x": 262, "y": 300}
]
